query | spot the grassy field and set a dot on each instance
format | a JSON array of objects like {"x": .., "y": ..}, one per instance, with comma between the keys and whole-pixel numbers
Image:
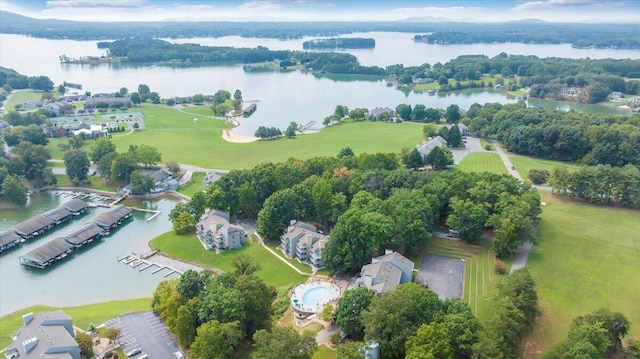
[
  {"x": 324, "y": 352},
  {"x": 482, "y": 161},
  {"x": 202, "y": 145},
  {"x": 187, "y": 247},
  {"x": 195, "y": 185},
  {"x": 82, "y": 316},
  {"x": 97, "y": 183},
  {"x": 586, "y": 257},
  {"x": 302, "y": 267},
  {"x": 479, "y": 277},
  {"x": 524, "y": 164},
  {"x": 484, "y": 143},
  {"x": 19, "y": 97}
]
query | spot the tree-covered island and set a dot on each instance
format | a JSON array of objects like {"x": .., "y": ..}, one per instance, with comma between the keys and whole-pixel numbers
[{"x": 340, "y": 43}]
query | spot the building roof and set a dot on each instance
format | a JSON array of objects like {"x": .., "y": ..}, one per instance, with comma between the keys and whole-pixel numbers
[
  {"x": 8, "y": 236},
  {"x": 218, "y": 218},
  {"x": 58, "y": 214},
  {"x": 398, "y": 259},
  {"x": 299, "y": 229},
  {"x": 75, "y": 205},
  {"x": 33, "y": 224},
  {"x": 84, "y": 233},
  {"x": 49, "y": 251},
  {"x": 385, "y": 272},
  {"x": 49, "y": 334},
  {"x": 108, "y": 219},
  {"x": 426, "y": 147}
]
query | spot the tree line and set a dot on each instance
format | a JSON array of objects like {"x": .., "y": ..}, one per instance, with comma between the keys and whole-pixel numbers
[
  {"x": 370, "y": 204},
  {"x": 565, "y": 136},
  {"x": 340, "y": 43},
  {"x": 12, "y": 80}
]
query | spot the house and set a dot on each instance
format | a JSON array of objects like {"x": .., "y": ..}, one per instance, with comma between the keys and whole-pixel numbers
[
  {"x": 44, "y": 335},
  {"x": 57, "y": 131},
  {"x": 464, "y": 130},
  {"x": 499, "y": 87},
  {"x": 634, "y": 100},
  {"x": 163, "y": 180},
  {"x": 215, "y": 231},
  {"x": 209, "y": 178},
  {"x": 381, "y": 113},
  {"x": 570, "y": 91},
  {"x": 386, "y": 272},
  {"x": 426, "y": 147},
  {"x": 303, "y": 241}
]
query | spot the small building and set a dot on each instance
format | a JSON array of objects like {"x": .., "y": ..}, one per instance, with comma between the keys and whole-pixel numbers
[
  {"x": 209, "y": 178},
  {"x": 113, "y": 218},
  {"x": 9, "y": 239},
  {"x": 249, "y": 109},
  {"x": 214, "y": 230},
  {"x": 381, "y": 114},
  {"x": 386, "y": 272},
  {"x": 44, "y": 335},
  {"x": 426, "y": 147},
  {"x": 464, "y": 130},
  {"x": 303, "y": 241}
]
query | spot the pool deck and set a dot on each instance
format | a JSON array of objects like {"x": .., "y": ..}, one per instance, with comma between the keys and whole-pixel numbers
[{"x": 298, "y": 292}]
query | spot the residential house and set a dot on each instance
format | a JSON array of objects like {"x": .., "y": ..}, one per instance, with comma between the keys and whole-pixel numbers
[
  {"x": 214, "y": 230},
  {"x": 44, "y": 335},
  {"x": 209, "y": 178},
  {"x": 381, "y": 113},
  {"x": 464, "y": 130},
  {"x": 634, "y": 101},
  {"x": 386, "y": 272},
  {"x": 302, "y": 240},
  {"x": 427, "y": 146},
  {"x": 570, "y": 91}
]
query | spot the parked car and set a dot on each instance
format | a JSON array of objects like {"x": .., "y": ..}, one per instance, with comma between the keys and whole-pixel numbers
[
  {"x": 143, "y": 356},
  {"x": 179, "y": 355},
  {"x": 452, "y": 234},
  {"x": 133, "y": 352}
]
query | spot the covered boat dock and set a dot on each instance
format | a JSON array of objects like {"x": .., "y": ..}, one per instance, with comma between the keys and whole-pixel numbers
[
  {"x": 114, "y": 217},
  {"x": 9, "y": 239},
  {"x": 48, "y": 253}
]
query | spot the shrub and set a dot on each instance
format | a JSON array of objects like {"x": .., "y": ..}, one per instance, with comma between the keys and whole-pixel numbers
[
  {"x": 487, "y": 147},
  {"x": 500, "y": 268},
  {"x": 538, "y": 176}
]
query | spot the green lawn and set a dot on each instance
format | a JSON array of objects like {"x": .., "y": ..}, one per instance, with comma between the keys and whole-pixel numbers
[
  {"x": 195, "y": 185},
  {"x": 302, "y": 267},
  {"x": 97, "y": 183},
  {"x": 21, "y": 96},
  {"x": 202, "y": 145},
  {"x": 587, "y": 257},
  {"x": 188, "y": 247},
  {"x": 482, "y": 161},
  {"x": 524, "y": 164},
  {"x": 324, "y": 352},
  {"x": 82, "y": 316},
  {"x": 198, "y": 110},
  {"x": 484, "y": 143}
]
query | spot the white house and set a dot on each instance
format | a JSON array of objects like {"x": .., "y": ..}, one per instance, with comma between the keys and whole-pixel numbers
[
  {"x": 303, "y": 241},
  {"x": 44, "y": 335},
  {"x": 426, "y": 147},
  {"x": 215, "y": 231},
  {"x": 386, "y": 272}
]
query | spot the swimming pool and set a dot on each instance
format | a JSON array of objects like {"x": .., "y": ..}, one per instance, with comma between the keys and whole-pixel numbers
[{"x": 311, "y": 297}]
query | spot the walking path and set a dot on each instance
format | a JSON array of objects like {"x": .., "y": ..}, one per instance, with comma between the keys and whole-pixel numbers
[
  {"x": 280, "y": 258},
  {"x": 520, "y": 260}
]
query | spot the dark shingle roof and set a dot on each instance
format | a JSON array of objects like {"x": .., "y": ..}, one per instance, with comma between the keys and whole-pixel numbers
[
  {"x": 49, "y": 250},
  {"x": 110, "y": 218},
  {"x": 32, "y": 224},
  {"x": 75, "y": 205},
  {"x": 58, "y": 214},
  {"x": 84, "y": 233},
  {"x": 8, "y": 236}
]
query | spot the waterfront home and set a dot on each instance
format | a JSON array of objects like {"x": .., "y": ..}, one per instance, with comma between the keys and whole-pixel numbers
[
  {"x": 427, "y": 146},
  {"x": 381, "y": 114},
  {"x": 44, "y": 335},
  {"x": 386, "y": 272},
  {"x": 303, "y": 241},
  {"x": 214, "y": 230}
]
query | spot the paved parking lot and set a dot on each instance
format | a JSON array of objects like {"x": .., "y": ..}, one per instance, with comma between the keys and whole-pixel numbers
[
  {"x": 145, "y": 331},
  {"x": 443, "y": 275}
]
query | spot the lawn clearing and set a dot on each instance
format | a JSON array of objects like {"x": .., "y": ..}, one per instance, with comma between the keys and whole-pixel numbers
[
  {"x": 195, "y": 185},
  {"x": 82, "y": 316},
  {"x": 187, "y": 247},
  {"x": 19, "y": 97},
  {"x": 324, "y": 352},
  {"x": 482, "y": 161},
  {"x": 97, "y": 183},
  {"x": 524, "y": 164},
  {"x": 302, "y": 267},
  {"x": 586, "y": 257},
  {"x": 201, "y": 143},
  {"x": 484, "y": 143}
]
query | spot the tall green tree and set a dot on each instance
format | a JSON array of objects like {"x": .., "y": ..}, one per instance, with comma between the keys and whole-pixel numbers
[
  {"x": 147, "y": 155},
  {"x": 123, "y": 166},
  {"x": 257, "y": 299},
  {"x": 283, "y": 342},
  {"x": 187, "y": 322},
  {"x": 430, "y": 341},
  {"x": 322, "y": 199},
  {"x": 452, "y": 113},
  {"x": 439, "y": 158},
  {"x": 414, "y": 159},
  {"x": 291, "y": 130},
  {"x": 466, "y": 217},
  {"x": 216, "y": 340},
  {"x": 100, "y": 148},
  {"x": 77, "y": 165},
  {"x": 454, "y": 137},
  {"x": 350, "y": 307},
  {"x": 141, "y": 183},
  {"x": 404, "y": 111},
  {"x": 14, "y": 191}
]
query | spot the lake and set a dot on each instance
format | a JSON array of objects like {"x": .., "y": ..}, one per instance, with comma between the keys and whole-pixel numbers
[
  {"x": 283, "y": 96},
  {"x": 90, "y": 274}
]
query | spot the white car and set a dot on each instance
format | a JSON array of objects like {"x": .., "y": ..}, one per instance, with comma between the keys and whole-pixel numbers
[
  {"x": 179, "y": 355},
  {"x": 133, "y": 352}
]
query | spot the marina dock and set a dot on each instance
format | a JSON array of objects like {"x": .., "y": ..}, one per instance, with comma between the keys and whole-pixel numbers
[{"x": 141, "y": 263}]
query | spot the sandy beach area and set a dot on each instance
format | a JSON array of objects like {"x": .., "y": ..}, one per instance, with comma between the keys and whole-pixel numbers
[{"x": 229, "y": 136}]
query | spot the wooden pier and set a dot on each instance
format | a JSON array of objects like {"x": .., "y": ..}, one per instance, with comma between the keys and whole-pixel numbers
[{"x": 141, "y": 263}]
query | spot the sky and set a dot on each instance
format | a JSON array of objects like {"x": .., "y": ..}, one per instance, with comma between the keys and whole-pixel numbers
[{"x": 618, "y": 11}]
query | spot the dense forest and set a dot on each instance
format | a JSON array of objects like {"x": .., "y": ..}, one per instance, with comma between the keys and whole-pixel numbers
[
  {"x": 566, "y": 136},
  {"x": 580, "y": 35},
  {"x": 340, "y": 43}
]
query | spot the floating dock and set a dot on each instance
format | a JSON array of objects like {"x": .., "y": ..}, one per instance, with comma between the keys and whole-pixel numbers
[{"x": 142, "y": 263}]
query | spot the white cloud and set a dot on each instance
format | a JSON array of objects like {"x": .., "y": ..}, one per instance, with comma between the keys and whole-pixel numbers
[{"x": 97, "y": 3}]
